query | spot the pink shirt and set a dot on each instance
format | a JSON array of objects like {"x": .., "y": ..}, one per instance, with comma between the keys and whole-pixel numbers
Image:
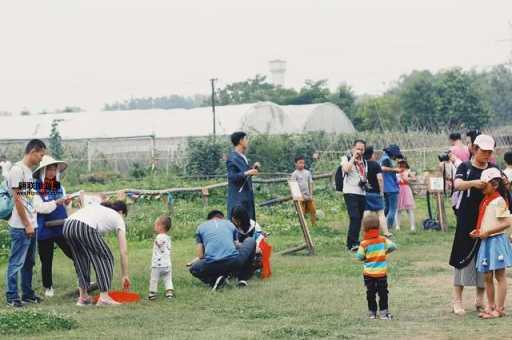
[{"x": 461, "y": 152}]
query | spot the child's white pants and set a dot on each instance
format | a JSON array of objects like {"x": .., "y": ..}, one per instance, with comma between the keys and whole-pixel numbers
[{"x": 157, "y": 273}]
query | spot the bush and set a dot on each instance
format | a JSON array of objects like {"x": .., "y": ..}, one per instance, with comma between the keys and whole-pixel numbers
[
  {"x": 32, "y": 322},
  {"x": 204, "y": 156},
  {"x": 100, "y": 177}
]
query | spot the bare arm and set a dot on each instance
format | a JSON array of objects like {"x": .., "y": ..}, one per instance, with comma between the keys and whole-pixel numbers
[
  {"x": 461, "y": 185},
  {"x": 20, "y": 209},
  {"x": 123, "y": 250},
  {"x": 200, "y": 250},
  {"x": 502, "y": 225},
  {"x": 348, "y": 165},
  {"x": 380, "y": 179}
]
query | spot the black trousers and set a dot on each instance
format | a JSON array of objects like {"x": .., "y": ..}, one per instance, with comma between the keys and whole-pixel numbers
[
  {"x": 355, "y": 208},
  {"x": 46, "y": 248},
  {"x": 376, "y": 286},
  {"x": 239, "y": 266}
]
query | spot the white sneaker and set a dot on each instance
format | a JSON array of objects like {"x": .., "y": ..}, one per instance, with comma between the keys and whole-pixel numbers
[{"x": 49, "y": 292}]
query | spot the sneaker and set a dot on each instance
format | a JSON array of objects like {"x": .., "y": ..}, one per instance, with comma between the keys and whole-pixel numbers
[
  {"x": 49, "y": 292},
  {"x": 354, "y": 249},
  {"x": 84, "y": 302},
  {"x": 372, "y": 315},
  {"x": 242, "y": 284},
  {"x": 31, "y": 299},
  {"x": 170, "y": 294},
  {"x": 385, "y": 315},
  {"x": 109, "y": 302},
  {"x": 219, "y": 283},
  {"x": 16, "y": 303},
  {"x": 151, "y": 296}
]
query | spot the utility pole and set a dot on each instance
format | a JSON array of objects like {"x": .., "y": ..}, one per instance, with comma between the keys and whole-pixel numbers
[{"x": 212, "y": 81}]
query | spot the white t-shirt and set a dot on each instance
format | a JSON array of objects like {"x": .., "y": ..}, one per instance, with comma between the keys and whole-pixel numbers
[
  {"x": 161, "y": 251},
  {"x": 100, "y": 218},
  {"x": 20, "y": 176},
  {"x": 351, "y": 179}
]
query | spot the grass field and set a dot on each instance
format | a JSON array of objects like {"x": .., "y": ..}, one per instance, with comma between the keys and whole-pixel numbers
[{"x": 308, "y": 297}]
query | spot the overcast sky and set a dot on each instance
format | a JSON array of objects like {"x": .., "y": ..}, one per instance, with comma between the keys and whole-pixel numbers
[{"x": 65, "y": 52}]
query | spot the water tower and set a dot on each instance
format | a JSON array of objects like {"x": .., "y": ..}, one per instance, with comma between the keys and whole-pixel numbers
[{"x": 277, "y": 70}]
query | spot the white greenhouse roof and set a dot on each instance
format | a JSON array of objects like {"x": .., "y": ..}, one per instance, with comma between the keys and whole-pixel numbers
[{"x": 264, "y": 117}]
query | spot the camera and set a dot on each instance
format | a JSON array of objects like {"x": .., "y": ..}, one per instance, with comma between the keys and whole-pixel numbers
[
  {"x": 444, "y": 157},
  {"x": 363, "y": 184}
]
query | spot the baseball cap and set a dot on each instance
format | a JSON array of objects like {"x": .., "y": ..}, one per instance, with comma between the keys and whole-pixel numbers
[
  {"x": 490, "y": 174},
  {"x": 485, "y": 142}
]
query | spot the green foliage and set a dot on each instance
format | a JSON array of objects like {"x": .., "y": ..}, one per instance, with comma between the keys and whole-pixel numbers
[
  {"x": 204, "y": 156},
  {"x": 5, "y": 240},
  {"x": 138, "y": 171},
  {"x": 29, "y": 322},
  {"x": 377, "y": 113},
  {"x": 495, "y": 87},
  {"x": 345, "y": 98},
  {"x": 172, "y": 101},
  {"x": 56, "y": 149}
]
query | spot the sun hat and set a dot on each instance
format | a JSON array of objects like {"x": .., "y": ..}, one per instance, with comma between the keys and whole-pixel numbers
[
  {"x": 485, "y": 142},
  {"x": 490, "y": 174},
  {"x": 47, "y": 161}
]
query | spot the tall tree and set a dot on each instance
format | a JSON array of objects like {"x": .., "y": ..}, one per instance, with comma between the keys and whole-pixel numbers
[{"x": 56, "y": 148}]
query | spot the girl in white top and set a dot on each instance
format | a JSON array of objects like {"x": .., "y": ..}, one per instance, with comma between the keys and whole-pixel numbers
[
  {"x": 83, "y": 231},
  {"x": 161, "y": 267},
  {"x": 495, "y": 252}
]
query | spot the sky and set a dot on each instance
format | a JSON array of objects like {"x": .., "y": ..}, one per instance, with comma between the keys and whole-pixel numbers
[{"x": 56, "y": 53}]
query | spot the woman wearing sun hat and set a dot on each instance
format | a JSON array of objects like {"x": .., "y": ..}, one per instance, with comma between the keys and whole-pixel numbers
[
  {"x": 468, "y": 182},
  {"x": 50, "y": 204}
]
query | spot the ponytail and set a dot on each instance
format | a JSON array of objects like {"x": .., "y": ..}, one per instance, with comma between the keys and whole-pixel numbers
[{"x": 502, "y": 190}]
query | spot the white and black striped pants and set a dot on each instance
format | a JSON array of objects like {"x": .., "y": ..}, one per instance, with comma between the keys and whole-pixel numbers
[{"x": 89, "y": 247}]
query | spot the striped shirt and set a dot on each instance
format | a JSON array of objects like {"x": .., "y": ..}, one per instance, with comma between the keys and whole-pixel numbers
[{"x": 373, "y": 251}]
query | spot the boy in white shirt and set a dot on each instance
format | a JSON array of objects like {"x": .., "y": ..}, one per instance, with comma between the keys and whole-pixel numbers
[{"x": 161, "y": 267}]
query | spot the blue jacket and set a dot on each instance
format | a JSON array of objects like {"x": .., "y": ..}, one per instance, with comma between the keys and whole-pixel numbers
[
  {"x": 236, "y": 166},
  {"x": 59, "y": 213},
  {"x": 391, "y": 184}
]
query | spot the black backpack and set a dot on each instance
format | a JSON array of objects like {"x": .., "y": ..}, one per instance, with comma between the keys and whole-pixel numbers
[{"x": 338, "y": 179}]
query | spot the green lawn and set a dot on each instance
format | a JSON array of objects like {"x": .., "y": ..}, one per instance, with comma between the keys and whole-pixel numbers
[{"x": 308, "y": 297}]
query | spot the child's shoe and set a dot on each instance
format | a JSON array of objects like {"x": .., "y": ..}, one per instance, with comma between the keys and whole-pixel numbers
[
  {"x": 170, "y": 294},
  {"x": 385, "y": 315},
  {"x": 372, "y": 315},
  {"x": 151, "y": 296}
]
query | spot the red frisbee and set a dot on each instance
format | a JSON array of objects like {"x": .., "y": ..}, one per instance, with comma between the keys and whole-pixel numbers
[{"x": 121, "y": 297}]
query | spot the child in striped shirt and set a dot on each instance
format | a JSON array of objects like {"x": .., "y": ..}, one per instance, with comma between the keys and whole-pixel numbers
[{"x": 373, "y": 251}]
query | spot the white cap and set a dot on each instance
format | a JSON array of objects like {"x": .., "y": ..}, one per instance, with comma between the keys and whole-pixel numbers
[
  {"x": 490, "y": 174},
  {"x": 485, "y": 142}
]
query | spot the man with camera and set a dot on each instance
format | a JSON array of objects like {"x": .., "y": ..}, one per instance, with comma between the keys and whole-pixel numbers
[
  {"x": 240, "y": 175},
  {"x": 355, "y": 185}
]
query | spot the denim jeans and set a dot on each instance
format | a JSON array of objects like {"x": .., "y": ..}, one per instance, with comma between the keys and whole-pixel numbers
[
  {"x": 21, "y": 260},
  {"x": 239, "y": 266},
  {"x": 355, "y": 207},
  {"x": 391, "y": 200}
]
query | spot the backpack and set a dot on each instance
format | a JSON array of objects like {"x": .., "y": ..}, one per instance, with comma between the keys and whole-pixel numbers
[
  {"x": 6, "y": 202},
  {"x": 338, "y": 179}
]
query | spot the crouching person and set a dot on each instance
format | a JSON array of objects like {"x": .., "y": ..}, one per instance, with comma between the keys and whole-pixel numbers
[{"x": 217, "y": 254}]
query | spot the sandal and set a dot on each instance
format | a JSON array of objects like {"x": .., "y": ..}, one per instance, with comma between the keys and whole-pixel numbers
[
  {"x": 501, "y": 311},
  {"x": 490, "y": 315},
  {"x": 110, "y": 302}
]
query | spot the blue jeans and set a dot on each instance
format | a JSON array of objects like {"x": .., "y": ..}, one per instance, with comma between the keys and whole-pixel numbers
[
  {"x": 21, "y": 259},
  {"x": 239, "y": 265},
  {"x": 391, "y": 200}
]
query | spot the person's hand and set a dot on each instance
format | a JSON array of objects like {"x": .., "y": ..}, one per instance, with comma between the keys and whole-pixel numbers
[
  {"x": 252, "y": 172},
  {"x": 474, "y": 234},
  {"x": 257, "y": 166},
  {"x": 125, "y": 282},
  {"x": 60, "y": 201},
  {"x": 478, "y": 184},
  {"x": 356, "y": 154},
  {"x": 67, "y": 199},
  {"x": 29, "y": 230}
]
